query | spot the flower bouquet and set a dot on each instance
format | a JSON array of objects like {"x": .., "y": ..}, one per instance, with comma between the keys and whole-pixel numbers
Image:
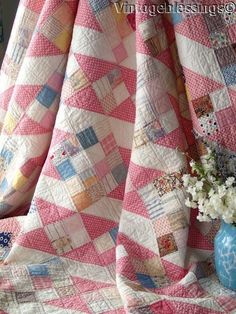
[{"x": 215, "y": 198}]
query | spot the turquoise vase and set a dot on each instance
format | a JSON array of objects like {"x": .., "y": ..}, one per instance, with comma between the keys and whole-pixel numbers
[{"x": 225, "y": 255}]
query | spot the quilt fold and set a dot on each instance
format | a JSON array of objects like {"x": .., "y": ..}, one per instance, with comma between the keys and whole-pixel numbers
[{"x": 99, "y": 109}]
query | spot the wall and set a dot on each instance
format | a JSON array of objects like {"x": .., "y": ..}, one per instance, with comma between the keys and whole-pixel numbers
[{"x": 9, "y": 8}]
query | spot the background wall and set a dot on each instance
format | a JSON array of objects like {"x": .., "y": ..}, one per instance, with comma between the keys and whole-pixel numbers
[{"x": 9, "y": 8}]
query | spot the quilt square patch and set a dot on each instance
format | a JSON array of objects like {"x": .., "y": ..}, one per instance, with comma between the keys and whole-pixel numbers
[
  {"x": 166, "y": 244},
  {"x": 154, "y": 133},
  {"x": 5, "y": 239},
  {"x": 220, "y": 99},
  {"x": 51, "y": 28},
  {"x": 79, "y": 80},
  {"x": 42, "y": 283},
  {"x": 114, "y": 77},
  {"x": 109, "y": 103},
  {"x": 38, "y": 270},
  {"x": 25, "y": 297},
  {"x": 225, "y": 56},
  {"x": 177, "y": 220},
  {"x": 113, "y": 233},
  {"x": 209, "y": 123},
  {"x": 62, "y": 40},
  {"x": 108, "y": 144},
  {"x": 66, "y": 291},
  {"x": 225, "y": 117},
  {"x": 229, "y": 74},
  {"x": 87, "y": 138},
  {"x": 114, "y": 158},
  {"x": 96, "y": 192},
  {"x": 109, "y": 183},
  {"x": 66, "y": 170},
  {"x": 101, "y": 169},
  {"x": 229, "y": 17},
  {"x": 169, "y": 121},
  {"x": 152, "y": 201},
  {"x": 7, "y": 155},
  {"x": 119, "y": 173},
  {"x": 219, "y": 39},
  {"x": 168, "y": 183},
  {"x": 214, "y": 23},
  {"x": 176, "y": 16},
  {"x": 146, "y": 281},
  {"x": 86, "y": 174},
  {"x": 64, "y": 14},
  {"x": 154, "y": 45},
  {"x": 140, "y": 138},
  {"x": 202, "y": 105},
  {"x": 82, "y": 200},
  {"x": 104, "y": 243},
  {"x": 99, "y": 5},
  {"x": 120, "y": 53},
  {"x": 46, "y": 96},
  {"x": 4, "y": 185}
]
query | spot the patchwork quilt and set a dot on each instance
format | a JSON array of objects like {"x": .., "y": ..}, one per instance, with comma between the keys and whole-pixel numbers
[{"x": 98, "y": 110}]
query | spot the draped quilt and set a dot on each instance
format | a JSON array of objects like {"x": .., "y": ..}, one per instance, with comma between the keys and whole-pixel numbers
[{"x": 98, "y": 110}]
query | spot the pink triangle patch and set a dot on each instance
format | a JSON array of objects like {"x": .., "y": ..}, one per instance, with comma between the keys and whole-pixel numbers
[
  {"x": 187, "y": 28},
  {"x": 173, "y": 272},
  {"x": 88, "y": 64},
  {"x": 51, "y": 213},
  {"x": 41, "y": 46},
  {"x": 125, "y": 155},
  {"x": 37, "y": 240},
  {"x": 33, "y": 5},
  {"x": 173, "y": 139},
  {"x": 85, "y": 254},
  {"x": 86, "y": 99},
  {"x": 59, "y": 136},
  {"x": 85, "y": 285},
  {"x": 134, "y": 204},
  {"x": 86, "y": 18},
  {"x": 166, "y": 58},
  {"x": 118, "y": 192},
  {"x": 29, "y": 127},
  {"x": 26, "y": 94},
  {"x": 125, "y": 111},
  {"x": 141, "y": 176},
  {"x": 102, "y": 225},
  {"x": 129, "y": 77},
  {"x": 204, "y": 84}
]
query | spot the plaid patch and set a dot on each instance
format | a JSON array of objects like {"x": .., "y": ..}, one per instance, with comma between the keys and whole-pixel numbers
[{"x": 108, "y": 144}]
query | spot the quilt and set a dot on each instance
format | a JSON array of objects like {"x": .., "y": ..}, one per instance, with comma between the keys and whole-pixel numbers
[{"x": 101, "y": 103}]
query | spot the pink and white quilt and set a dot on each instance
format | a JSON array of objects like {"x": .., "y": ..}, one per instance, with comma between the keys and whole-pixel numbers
[{"x": 97, "y": 107}]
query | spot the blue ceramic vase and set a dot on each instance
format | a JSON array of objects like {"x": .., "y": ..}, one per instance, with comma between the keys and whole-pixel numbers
[{"x": 225, "y": 255}]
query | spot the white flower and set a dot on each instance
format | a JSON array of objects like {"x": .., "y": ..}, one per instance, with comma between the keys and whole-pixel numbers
[
  {"x": 199, "y": 185},
  {"x": 229, "y": 182},
  {"x": 186, "y": 179},
  {"x": 221, "y": 191},
  {"x": 211, "y": 192},
  {"x": 201, "y": 217},
  {"x": 190, "y": 204}
]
